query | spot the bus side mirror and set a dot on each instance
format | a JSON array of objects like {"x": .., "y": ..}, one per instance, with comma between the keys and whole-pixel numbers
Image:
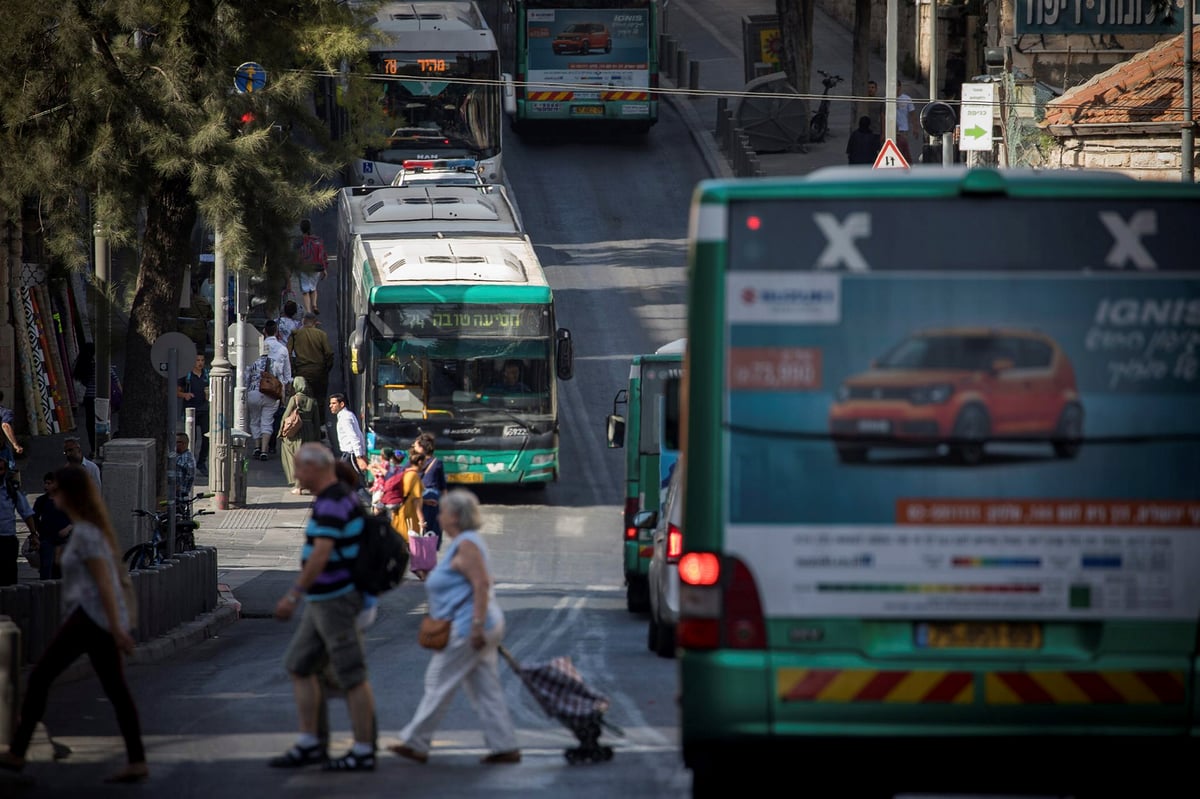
[
  {"x": 510, "y": 94},
  {"x": 358, "y": 340},
  {"x": 616, "y": 431},
  {"x": 646, "y": 520},
  {"x": 564, "y": 356}
]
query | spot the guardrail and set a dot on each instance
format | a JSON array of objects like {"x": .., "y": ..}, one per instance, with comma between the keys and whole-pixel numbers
[{"x": 168, "y": 595}]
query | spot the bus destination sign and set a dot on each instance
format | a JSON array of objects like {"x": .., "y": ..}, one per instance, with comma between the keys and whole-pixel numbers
[{"x": 458, "y": 319}]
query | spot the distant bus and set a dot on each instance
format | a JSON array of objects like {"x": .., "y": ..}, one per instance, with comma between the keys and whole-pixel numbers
[
  {"x": 648, "y": 429},
  {"x": 942, "y": 511},
  {"x": 438, "y": 76},
  {"x": 587, "y": 60},
  {"x": 451, "y": 330}
]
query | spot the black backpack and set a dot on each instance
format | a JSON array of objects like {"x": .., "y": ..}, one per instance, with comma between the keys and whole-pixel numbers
[{"x": 382, "y": 556}]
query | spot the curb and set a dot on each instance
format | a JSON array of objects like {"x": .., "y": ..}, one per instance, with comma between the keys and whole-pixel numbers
[
  {"x": 717, "y": 165},
  {"x": 188, "y": 634}
]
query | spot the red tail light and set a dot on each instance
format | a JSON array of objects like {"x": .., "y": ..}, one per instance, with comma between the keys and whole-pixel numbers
[
  {"x": 631, "y": 509},
  {"x": 674, "y": 543},
  {"x": 745, "y": 627},
  {"x": 718, "y": 609}
]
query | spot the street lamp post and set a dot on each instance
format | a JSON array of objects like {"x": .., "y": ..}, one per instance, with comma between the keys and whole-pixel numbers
[
  {"x": 219, "y": 419},
  {"x": 103, "y": 322}
]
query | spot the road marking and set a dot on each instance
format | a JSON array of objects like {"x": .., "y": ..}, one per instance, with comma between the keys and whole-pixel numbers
[
  {"x": 713, "y": 31},
  {"x": 574, "y": 589}
]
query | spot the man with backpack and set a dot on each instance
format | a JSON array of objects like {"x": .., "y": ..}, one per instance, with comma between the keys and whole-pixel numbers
[
  {"x": 313, "y": 265},
  {"x": 334, "y": 541}
]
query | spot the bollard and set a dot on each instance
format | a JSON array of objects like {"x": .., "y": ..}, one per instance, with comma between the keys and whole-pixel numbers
[
  {"x": 169, "y": 576},
  {"x": 729, "y": 127},
  {"x": 681, "y": 66},
  {"x": 141, "y": 589},
  {"x": 152, "y": 617},
  {"x": 669, "y": 56},
  {"x": 19, "y": 612},
  {"x": 195, "y": 603},
  {"x": 41, "y": 619},
  {"x": 753, "y": 167},
  {"x": 694, "y": 75},
  {"x": 662, "y": 52},
  {"x": 213, "y": 577},
  {"x": 743, "y": 152}
]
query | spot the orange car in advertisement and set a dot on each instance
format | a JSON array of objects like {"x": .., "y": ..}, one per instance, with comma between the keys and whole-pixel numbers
[
  {"x": 961, "y": 387},
  {"x": 582, "y": 38}
]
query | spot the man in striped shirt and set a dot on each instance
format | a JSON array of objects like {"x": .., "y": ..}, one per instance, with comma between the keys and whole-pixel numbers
[{"x": 327, "y": 631}]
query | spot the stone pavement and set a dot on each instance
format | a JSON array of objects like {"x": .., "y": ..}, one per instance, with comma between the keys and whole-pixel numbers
[{"x": 711, "y": 32}]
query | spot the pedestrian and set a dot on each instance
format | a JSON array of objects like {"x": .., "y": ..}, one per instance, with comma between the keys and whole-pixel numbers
[
  {"x": 281, "y": 367},
  {"x": 313, "y": 265},
  {"x": 309, "y": 411},
  {"x": 98, "y": 620},
  {"x": 193, "y": 389},
  {"x": 409, "y": 520},
  {"x": 327, "y": 632},
  {"x": 352, "y": 445},
  {"x": 433, "y": 478},
  {"x": 185, "y": 471},
  {"x": 460, "y": 588},
  {"x": 84, "y": 371},
  {"x": 876, "y": 111},
  {"x": 863, "y": 146},
  {"x": 312, "y": 357},
  {"x": 905, "y": 111},
  {"x": 10, "y": 447},
  {"x": 73, "y": 450},
  {"x": 53, "y": 529},
  {"x": 260, "y": 407},
  {"x": 13, "y": 505},
  {"x": 288, "y": 321},
  {"x": 391, "y": 494}
]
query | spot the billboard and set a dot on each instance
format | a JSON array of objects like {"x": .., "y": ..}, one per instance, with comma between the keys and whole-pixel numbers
[
  {"x": 1097, "y": 16},
  {"x": 605, "y": 48}
]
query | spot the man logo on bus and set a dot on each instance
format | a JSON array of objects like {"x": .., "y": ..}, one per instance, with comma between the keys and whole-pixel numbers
[{"x": 749, "y": 296}]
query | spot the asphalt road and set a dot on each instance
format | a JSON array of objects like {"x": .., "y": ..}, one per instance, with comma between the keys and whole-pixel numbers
[{"x": 609, "y": 221}]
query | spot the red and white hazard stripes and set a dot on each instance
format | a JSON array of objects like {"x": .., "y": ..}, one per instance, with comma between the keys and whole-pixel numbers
[
  {"x": 550, "y": 96},
  {"x": 998, "y": 688},
  {"x": 1084, "y": 688},
  {"x": 624, "y": 95},
  {"x": 873, "y": 685}
]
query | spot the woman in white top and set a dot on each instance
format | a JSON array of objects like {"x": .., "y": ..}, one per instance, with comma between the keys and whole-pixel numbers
[{"x": 97, "y": 623}]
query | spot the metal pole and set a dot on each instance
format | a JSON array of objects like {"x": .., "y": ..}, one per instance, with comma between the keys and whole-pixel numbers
[
  {"x": 1187, "y": 157},
  {"x": 893, "y": 46},
  {"x": 172, "y": 457},
  {"x": 239, "y": 346},
  {"x": 947, "y": 149},
  {"x": 933, "y": 51},
  {"x": 103, "y": 345},
  {"x": 694, "y": 75},
  {"x": 681, "y": 66},
  {"x": 219, "y": 412},
  {"x": 189, "y": 427}
]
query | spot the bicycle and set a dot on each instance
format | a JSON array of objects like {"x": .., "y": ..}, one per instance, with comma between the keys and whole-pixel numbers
[
  {"x": 818, "y": 127},
  {"x": 153, "y": 552}
]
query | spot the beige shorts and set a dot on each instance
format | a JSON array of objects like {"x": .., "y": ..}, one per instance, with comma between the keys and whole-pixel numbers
[{"x": 328, "y": 635}]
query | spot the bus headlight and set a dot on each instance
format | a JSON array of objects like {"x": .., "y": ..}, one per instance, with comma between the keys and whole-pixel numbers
[{"x": 543, "y": 459}]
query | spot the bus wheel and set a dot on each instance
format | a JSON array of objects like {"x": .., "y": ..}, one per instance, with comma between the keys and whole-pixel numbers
[
  {"x": 664, "y": 642},
  {"x": 637, "y": 595}
]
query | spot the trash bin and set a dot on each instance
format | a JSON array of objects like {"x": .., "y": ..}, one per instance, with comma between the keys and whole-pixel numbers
[
  {"x": 10, "y": 678},
  {"x": 762, "y": 45}
]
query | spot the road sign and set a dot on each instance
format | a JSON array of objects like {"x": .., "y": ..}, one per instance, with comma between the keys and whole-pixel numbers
[
  {"x": 185, "y": 354},
  {"x": 889, "y": 157},
  {"x": 249, "y": 78},
  {"x": 978, "y": 103}
]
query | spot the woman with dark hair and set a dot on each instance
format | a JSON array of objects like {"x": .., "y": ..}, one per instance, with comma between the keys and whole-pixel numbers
[
  {"x": 98, "y": 620},
  {"x": 433, "y": 481}
]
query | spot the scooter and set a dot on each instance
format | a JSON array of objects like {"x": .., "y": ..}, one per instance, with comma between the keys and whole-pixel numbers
[{"x": 818, "y": 128}]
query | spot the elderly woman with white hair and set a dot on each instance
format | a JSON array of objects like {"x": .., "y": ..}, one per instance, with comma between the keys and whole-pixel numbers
[{"x": 460, "y": 589}]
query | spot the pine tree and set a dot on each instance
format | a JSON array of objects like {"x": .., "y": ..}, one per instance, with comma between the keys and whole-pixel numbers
[
  {"x": 124, "y": 113},
  {"x": 796, "y": 34}
]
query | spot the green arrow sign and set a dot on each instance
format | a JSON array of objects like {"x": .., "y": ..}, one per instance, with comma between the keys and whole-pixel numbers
[{"x": 975, "y": 132}]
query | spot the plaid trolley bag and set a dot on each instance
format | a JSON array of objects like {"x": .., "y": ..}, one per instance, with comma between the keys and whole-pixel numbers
[{"x": 560, "y": 690}]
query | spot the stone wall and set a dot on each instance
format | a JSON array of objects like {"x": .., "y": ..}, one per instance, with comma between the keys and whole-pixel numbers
[{"x": 1145, "y": 157}]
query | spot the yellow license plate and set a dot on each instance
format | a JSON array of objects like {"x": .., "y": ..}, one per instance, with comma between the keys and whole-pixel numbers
[
  {"x": 588, "y": 110},
  {"x": 978, "y": 635},
  {"x": 464, "y": 477}
]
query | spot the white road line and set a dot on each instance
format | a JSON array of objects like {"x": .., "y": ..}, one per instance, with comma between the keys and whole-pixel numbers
[{"x": 713, "y": 31}]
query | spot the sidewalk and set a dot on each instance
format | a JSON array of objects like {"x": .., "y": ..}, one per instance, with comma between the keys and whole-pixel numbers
[{"x": 711, "y": 32}]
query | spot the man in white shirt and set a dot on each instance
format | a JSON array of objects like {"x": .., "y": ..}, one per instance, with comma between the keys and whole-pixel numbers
[
  {"x": 351, "y": 443},
  {"x": 905, "y": 110},
  {"x": 74, "y": 453}
]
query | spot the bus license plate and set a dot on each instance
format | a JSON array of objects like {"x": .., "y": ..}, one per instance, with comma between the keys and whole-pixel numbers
[
  {"x": 978, "y": 635},
  {"x": 588, "y": 110},
  {"x": 464, "y": 477}
]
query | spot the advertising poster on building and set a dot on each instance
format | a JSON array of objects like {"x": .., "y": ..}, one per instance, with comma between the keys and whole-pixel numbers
[
  {"x": 922, "y": 434},
  {"x": 570, "y": 51}
]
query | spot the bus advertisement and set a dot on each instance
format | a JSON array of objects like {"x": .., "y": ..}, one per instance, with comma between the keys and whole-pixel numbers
[
  {"x": 942, "y": 493},
  {"x": 588, "y": 60},
  {"x": 437, "y": 68},
  {"x": 451, "y": 330},
  {"x": 649, "y": 431}
]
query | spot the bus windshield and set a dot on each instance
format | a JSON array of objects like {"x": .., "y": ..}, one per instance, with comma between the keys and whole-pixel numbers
[{"x": 442, "y": 105}]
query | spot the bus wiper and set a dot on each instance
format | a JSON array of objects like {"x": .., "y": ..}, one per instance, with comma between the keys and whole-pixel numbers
[{"x": 496, "y": 409}]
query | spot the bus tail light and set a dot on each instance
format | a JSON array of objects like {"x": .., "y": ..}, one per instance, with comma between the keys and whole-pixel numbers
[
  {"x": 719, "y": 605},
  {"x": 631, "y": 509},
  {"x": 674, "y": 543}
]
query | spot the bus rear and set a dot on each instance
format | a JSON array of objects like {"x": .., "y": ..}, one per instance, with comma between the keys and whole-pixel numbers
[
  {"x": 942, "y": 510},
  {"x": 587, "y": 60}
]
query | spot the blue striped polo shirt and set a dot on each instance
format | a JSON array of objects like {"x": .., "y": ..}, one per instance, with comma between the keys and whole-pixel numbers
[{"x": 336, "y": 514}]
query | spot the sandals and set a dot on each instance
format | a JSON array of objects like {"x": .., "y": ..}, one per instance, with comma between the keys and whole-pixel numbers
[
  {"x": 404, "y": 750},
  {"x": 351, "y": 762},
  {"x": 297, "y": 757}
]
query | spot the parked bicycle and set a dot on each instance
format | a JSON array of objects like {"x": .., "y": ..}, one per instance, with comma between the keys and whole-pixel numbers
[
  {"x": 818, "y": 128},
  {"x": 153, "y": 552}
]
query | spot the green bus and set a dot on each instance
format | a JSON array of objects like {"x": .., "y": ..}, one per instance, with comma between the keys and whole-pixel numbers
[
  {"x": 587, "y": 60},
  {"x": 650, "y": 426},
  {"x": 942, "y": 513}
]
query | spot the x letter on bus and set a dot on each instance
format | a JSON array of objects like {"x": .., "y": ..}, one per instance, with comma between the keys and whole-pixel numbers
[
  {"x": 840, "y": 249},
  {"x": 1127, "y": 238}
]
